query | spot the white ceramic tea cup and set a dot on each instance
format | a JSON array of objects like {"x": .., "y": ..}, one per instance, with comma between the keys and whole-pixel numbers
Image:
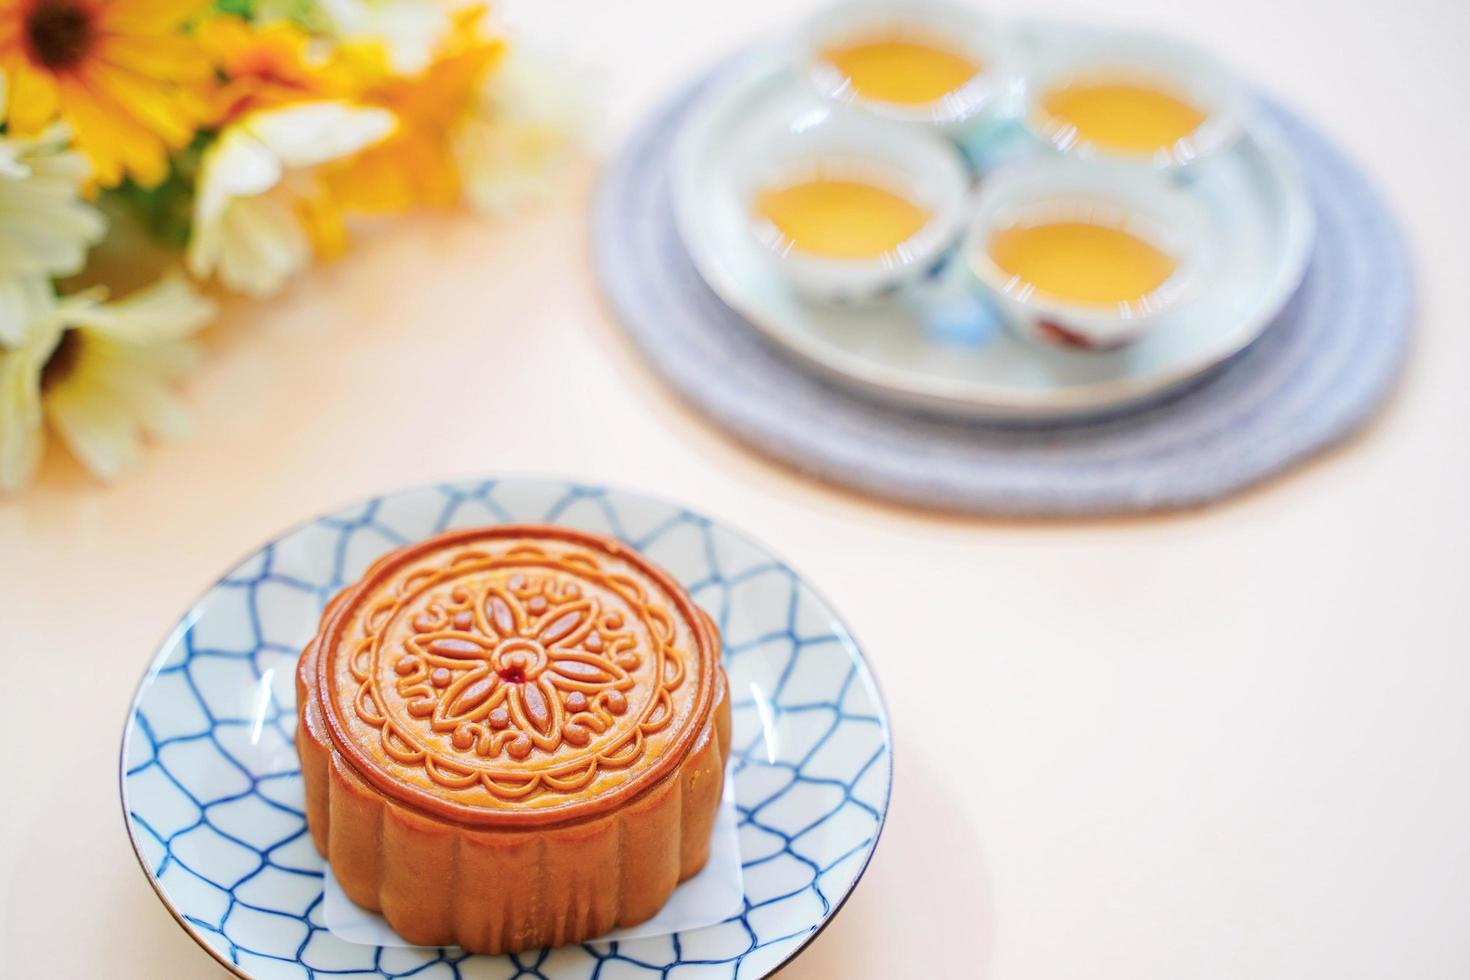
[
  {"x": 1141, "y": 203},
  {"x": 1176, "y": 67},
  {"x": 828, "y": 142},
  {"x": 955, "y": 26}
]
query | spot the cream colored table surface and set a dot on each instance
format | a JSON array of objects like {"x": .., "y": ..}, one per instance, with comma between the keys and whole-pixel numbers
[{"x": 1221, "y": 744}]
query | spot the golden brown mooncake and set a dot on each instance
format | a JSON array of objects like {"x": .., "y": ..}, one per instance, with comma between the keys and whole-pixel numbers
[{"x": 512, "y": 737}]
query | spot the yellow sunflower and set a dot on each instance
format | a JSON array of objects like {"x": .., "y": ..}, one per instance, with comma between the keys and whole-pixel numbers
[
  {"x": 121, "y": 72},
  {"x": 417, "y": 165}
]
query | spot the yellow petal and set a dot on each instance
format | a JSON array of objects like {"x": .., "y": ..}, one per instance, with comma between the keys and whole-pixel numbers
[
  {"x": 374, "y": 183},
  {"x": 33, "y": 98},
  {"x": 99, "y": 135},
  {"x": 322, "y": 219},
  {"x": 166, "y": 58},
  {"x": 147, "y": 102},
  {"x": 111, "y": 138},
  {"x": 149, "y": 16}
]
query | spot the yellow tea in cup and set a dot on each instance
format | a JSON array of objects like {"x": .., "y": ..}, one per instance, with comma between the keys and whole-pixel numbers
[
  {"x": 1122, "y": 115},
  {"x": 903, "y": 69},
  {"x": 1081, "y": 262},
  {"x": 840, "y": 218}
]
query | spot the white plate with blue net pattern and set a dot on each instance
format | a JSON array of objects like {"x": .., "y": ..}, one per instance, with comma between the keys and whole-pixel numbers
[{"x": 212, "y": 794}]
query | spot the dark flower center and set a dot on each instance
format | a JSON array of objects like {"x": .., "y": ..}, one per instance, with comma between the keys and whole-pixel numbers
[
  {"x": 60, "y": 33},
  {"x": 63, "y": 359},
  {"x": 512, "y": 675}
]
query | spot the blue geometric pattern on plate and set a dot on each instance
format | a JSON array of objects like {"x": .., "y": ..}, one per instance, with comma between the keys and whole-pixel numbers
[{"x": 212, "y": 790}]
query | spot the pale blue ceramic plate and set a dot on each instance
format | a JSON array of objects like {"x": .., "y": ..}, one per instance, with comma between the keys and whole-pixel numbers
[
  {"x": 935, "y": 347},
  {"x": 212, "y": 792}
]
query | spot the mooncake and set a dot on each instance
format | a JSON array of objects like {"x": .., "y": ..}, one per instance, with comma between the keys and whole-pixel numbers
[{"x": 512, "y": 737}]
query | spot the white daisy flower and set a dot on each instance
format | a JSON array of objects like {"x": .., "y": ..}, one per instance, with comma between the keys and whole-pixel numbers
[
  {"x": 45, "y": 227},
  {"x": 524, "y": 124},
  {"x": 100, "y": 376},
  {"x": 22, "y": 300},
  {"x": 21, "y": 437},
  {"x": 259, "y": 207}
]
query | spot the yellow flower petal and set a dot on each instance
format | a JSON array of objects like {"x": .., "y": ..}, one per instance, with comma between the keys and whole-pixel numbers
[
  {"x": 171, "y": 58},
  {"x": 153, "y": 107},
  {"x": 417, "y": 165},
  {"x": 132, "y": 88},
  {"x": 150, "y": 16},
  {"x": 34, "y": 100},
  {"x": 111, "y": 138},
  {"x": 322, "y": 218}
]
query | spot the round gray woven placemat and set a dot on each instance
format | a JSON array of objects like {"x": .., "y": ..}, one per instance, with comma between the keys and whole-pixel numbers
[{"x": 1313, "y": 377}]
